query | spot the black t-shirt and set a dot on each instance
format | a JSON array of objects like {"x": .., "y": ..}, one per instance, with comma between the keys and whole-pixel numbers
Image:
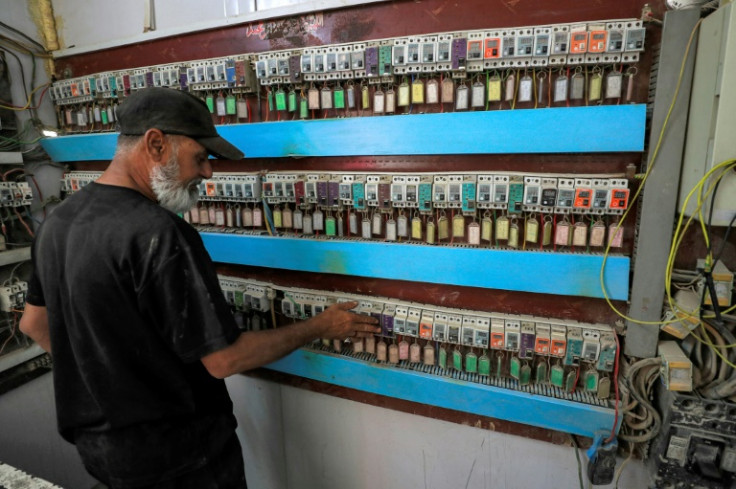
[{"x": 133, "y": 303}]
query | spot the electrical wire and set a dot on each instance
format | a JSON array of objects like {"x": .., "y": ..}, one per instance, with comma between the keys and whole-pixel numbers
[
  {"x": 679, "y": 234},
  {"x": 615, "y": 388},
  {"x": 13, "y": 29},
  {"x": 12, "y": 335},
  {"x": 28, "y": 105},
  {"x": 648, "y": 172},
  {"x": 620, "y": 470},
  {"x": 642, "y": 422},
  {"x": 577, "y": 457}
]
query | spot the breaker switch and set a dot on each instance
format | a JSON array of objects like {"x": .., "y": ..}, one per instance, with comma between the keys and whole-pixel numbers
[{"x": 706, "y": 457}]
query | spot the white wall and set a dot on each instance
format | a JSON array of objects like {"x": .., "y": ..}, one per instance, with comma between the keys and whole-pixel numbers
[
  {"x": 298, "y": 439},
  {"x": 87, "y": 26}
]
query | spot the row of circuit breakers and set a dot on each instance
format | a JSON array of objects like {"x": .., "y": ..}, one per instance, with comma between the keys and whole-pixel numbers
[
  {"x": 458, "y": 53},
  {"x": 521, "y": 339},
  {"x": 513, "y": 193},
  {"x": 15, "y": 194}
]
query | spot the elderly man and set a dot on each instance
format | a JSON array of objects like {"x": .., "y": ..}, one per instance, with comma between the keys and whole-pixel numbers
[{"x": 126, "y": 299}]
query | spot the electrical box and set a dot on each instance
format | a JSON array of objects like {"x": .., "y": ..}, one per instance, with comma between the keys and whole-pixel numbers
[
  {"x": 712, "y": 120},
  {"x": 676, "y": 369},
  {"x": 722, "y": 282}
]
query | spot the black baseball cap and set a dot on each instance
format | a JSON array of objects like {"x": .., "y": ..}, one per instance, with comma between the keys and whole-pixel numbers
[{"x": 173, "y": 112}]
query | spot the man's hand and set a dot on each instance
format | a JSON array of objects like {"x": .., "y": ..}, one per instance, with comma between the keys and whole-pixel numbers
[
  {"x": 257, "y": 348},
  {"x": 35, "y": 324},
  {"x": 339, "y": 323}
]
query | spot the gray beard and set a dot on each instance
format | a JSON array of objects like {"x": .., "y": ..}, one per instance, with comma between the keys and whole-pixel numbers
[{"x": 171, "y": 194}]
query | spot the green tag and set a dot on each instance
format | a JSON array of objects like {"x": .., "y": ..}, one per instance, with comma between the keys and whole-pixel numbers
[
  {"x": 471, "y": 363},
  {"x": 330, "y": 226},
  {"x": 541, "y": 374},
  {"x": 526, "y": 375},
  {"x": 239, "y": 300},
  {"x": 113, "y": 83},
  {"x": 230, "y": 105},
  {"x": 280, "y": 100},
  {"x": 515, "y": 367},
  {"x": 303, "y": 108},
  {"x": 591, "y": 381},
  {"x": 104, "y": 115},
  {"x": 457, "y": 360},
  {"x": 557, "y": 376},
  {"x": 210, "y": 101},
  {"x": 270, "y": 101},
  {"x": 92, "y": 85},
  {"x": 339, "y": 98},
  {"x": 484, "y": 365},
  {"x": 570, "y": 381},
  {"x": 292, "y": 101},
  {"x": 442, "y": 358}
]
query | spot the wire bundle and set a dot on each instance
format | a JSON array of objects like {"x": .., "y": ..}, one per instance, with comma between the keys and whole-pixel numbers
[
  {"x": 28, "y": 134},
  {"x": 641, "y": 421}
]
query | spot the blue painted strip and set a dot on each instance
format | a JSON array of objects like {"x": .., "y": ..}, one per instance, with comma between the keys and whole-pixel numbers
[
  {"x": 604, "y": 128},
  {"x": 575, "y": 274},
  {"x": 81, "y": 147},
  {"x": 520, "y": 407}
]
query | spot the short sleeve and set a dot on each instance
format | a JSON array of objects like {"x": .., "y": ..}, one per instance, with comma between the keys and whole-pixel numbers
[
  {"x": 184, "y": 302},
  {"x": 34, "y": 296}
]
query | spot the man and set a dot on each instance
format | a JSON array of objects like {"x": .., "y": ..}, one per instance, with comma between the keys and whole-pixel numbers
[{"x": 127, "y": 301}]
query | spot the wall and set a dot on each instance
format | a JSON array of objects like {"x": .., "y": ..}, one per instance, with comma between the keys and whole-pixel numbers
[
  {"x": 297, "y": 439},
  {"x": 77, "y": 34}
]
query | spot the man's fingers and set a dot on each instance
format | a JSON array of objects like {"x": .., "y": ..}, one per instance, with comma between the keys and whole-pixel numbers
[
  {"x": 346, "y": 306},
  {"x": 364, "y": 319}
]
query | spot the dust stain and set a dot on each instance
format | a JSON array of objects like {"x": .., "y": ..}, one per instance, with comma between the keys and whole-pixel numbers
[
  {"x": 510, "y": 4},
  {"x": 52, "y": 26},
  {"x": 347, "y": 27},
  {"x": 438, "y": 10}
]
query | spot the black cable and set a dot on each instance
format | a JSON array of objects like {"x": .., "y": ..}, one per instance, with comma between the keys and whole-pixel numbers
[
  {"x": 710, "y": 215},
  {"x": 31, "y": 112},
  {"x": 713, "y": 295},
  {"x": 24, "y": 35},
  {"x": 22, "y": 74}
]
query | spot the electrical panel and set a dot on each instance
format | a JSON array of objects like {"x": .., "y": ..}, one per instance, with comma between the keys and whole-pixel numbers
[
  {"x": 89, "y": 103},
  {"x": 470, "y": 70},
  {"x": 696, "y": 446},
  {"x": 498, "y": 349},
  {"x": 453, "y": 204}
]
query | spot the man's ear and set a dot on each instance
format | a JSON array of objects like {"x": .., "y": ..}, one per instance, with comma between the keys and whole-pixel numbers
[{"x": 155, "y": 144}]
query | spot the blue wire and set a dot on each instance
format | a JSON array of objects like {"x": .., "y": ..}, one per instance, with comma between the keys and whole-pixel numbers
[{"x": 269, "y": 215}]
